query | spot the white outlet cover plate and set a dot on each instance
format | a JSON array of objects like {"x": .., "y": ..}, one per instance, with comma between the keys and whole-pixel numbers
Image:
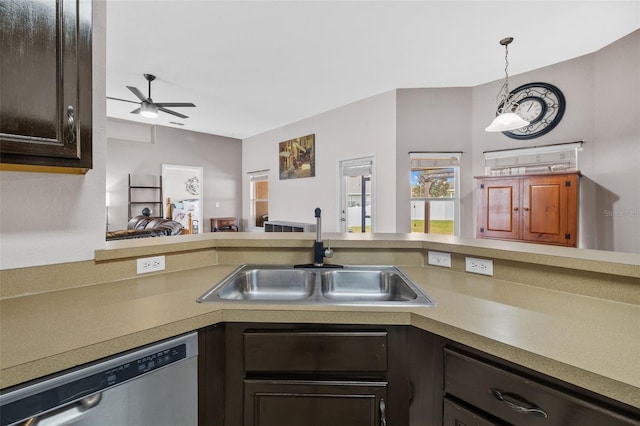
[
  {"x": 150, "y": 264},
  {"x": 479, "y": 266},
  {"x": 439, "y": 258}
]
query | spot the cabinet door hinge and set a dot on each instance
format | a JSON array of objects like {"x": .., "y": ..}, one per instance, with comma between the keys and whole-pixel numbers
[
  {"x": 567, "y": 236},
  {"x": 567, "y": 183}
]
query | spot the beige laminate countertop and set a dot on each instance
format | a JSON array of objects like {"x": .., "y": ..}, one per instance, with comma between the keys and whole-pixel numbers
[{"x": 587, "y": 341}]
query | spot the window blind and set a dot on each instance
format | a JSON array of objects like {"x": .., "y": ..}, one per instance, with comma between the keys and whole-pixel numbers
[
  {"x": 357, "y": 168},
  {"x": 428, "y": 160},
  {"x": 258, "y": 175}
]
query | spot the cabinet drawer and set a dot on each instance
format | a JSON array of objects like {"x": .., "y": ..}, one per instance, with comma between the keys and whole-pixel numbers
[
  {"x": 314, "y": 403},
  {"x": 456, "y": 415},
  {"x": 518, "y": 400},
  {"x": 316, "y": 351}
]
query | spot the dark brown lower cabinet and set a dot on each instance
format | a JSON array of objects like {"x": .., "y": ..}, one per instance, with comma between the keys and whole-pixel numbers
[
  {"x": 482, "y": 392},
  {"x": 364, "y": 375},
  {"x": 315, "y": 375},
  {"x": 456, "y": 415},
  {"x": 314, "y": 403}
]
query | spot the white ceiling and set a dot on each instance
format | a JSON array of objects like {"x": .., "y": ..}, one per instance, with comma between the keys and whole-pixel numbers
[{"x": 252, "y": 66}]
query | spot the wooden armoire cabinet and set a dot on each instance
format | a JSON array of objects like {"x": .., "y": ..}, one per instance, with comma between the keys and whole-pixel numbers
[{"x": 531, "y": 208}]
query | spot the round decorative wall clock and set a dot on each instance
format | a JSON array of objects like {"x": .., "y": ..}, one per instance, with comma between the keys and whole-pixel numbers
[
  {"x": 542, "y": 105},
  {"x": 193, "y": 186}
]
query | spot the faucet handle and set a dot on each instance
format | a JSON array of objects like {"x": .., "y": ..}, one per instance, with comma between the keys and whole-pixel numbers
[{"x": 327, "y": 251}]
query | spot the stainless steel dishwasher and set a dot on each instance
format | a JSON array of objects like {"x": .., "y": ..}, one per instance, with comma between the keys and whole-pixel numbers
[{"x": 152, "y": 385}]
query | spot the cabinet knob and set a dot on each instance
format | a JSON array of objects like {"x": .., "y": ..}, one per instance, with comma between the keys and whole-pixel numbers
[
  {"x": 526, "y": 209},
  {"x": 515, "y": 209},
  {"x": 71, "y": 126}
]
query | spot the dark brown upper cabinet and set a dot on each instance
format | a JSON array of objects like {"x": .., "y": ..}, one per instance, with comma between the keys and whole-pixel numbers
[{"x": 46, "y": 86}]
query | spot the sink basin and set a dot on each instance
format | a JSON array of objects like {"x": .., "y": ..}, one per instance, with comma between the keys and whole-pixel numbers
[
  {"x": 349, "y": 285},
  {"x": 366, "y": 285},
  {"x": 268, "y": 284}
]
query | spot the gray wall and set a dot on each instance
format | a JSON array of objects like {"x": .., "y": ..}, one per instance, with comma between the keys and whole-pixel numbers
[
  {"x": 603, "y": 110},
  {"x": 614, "y": 171},
  {"x": 360, "y": 129},
  {"x": 220, "y": 158},
  {"x": 433, "y": 120}
]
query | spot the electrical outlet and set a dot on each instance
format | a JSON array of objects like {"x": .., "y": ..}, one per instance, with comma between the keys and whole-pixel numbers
[
  {"x": 150, "y": 264},
  {"x": 439, "y": 258},
  {"x": 479, "y": 266}
]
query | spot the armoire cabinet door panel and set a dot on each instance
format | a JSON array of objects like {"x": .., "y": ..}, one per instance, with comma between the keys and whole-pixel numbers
[
  {"x": 501, "y": 209},
  {"x": 544, "y": 208}
]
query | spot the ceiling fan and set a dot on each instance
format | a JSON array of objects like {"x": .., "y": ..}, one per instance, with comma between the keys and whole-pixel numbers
[{"x": 150, "y": 109}]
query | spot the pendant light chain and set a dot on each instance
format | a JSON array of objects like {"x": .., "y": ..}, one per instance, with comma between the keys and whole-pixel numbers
[
  {"x": 506, "y": 117},
  {"x": 506, "y": 69},
  {"x": 504, "y": 99}
]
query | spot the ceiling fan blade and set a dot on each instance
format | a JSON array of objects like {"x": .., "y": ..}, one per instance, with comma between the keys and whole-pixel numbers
[
  {"x": 137, "y": 92},
  {"x": 168, "y": 111},
  {"x": 136, "y": 111},
  {"x": 175, "y": 104},
  {"x": 123, "y": 100}
]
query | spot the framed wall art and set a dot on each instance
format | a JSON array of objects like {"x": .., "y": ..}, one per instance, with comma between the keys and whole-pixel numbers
[{"x": 297, "y": 157}]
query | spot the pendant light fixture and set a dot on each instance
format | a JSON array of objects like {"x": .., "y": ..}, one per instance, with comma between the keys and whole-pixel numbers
[{"x": 506, "y": 119}]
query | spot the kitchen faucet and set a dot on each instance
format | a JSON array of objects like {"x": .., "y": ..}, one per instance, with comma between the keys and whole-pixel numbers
[{"x": 319, "y": 251}]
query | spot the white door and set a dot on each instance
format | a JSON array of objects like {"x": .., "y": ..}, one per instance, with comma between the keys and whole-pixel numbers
[{"x": 357, "y": 195}]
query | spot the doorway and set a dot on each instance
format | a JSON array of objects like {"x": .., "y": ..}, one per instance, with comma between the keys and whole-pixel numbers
[
  {"x": 357, "y": 205},
  {"x": 259, "y": 199}
]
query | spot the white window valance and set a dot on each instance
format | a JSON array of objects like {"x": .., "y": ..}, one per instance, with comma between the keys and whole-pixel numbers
[{"x": 540, "y": 159}]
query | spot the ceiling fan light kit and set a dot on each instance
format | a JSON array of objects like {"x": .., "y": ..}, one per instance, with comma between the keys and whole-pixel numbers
[
  {"x": 506, "y": 119},
  {"x": 148, "y": 108}
]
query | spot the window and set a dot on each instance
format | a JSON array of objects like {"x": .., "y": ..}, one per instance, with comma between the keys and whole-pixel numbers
[
  {"x": 258, "y": 198},
  {"x": 435, "y": 189}
]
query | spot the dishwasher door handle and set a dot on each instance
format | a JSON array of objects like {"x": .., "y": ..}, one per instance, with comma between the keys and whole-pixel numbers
[{"x": 64, "y": 415}]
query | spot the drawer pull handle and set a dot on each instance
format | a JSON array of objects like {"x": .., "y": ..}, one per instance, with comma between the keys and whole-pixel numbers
[
  {"x": 517, "y": 403},
  {"x": 383, "y": 414}
]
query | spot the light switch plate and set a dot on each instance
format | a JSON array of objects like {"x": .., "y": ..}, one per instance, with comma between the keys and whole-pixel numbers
[
  {"x": 150, "y": 264},
  {"x": 439, "y": 258}
]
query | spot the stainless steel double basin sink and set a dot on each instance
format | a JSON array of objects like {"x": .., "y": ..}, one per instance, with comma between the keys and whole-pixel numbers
[{"x": 347, "y": 285}]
